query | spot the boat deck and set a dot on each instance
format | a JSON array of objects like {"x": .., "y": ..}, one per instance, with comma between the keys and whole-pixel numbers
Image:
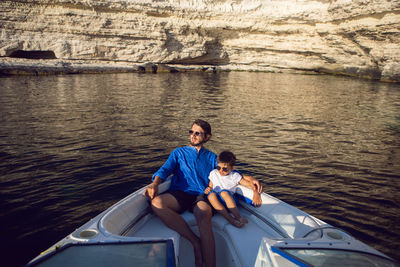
[
  {"x": 279, "y": 231},
  {"x": 234, "y": 246}
]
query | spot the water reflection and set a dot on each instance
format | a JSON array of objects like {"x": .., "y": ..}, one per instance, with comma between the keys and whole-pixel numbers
[{"x": 70, "y": 146}]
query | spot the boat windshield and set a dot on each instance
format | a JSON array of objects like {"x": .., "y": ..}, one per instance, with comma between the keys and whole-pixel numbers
[
  {"x": 150, "y": 253},
  {"x": 331, "y": 257}
]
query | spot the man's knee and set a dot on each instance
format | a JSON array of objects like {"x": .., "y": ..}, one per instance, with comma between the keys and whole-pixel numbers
[
  {"x": 165, "y": 201},
  {"x": 202, "y": 211},
  {"x": 156, "y": 203}
]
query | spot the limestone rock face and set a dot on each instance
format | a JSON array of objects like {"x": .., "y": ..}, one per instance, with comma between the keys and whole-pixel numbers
[{"x": 351, "y": 37}]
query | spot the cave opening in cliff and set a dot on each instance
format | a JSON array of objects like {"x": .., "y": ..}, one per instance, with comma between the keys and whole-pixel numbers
[{"x": 34, "y": 54}]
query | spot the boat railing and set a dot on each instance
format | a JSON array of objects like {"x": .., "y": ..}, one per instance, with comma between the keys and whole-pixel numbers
[
  {"x": 286, "y": 220},
  {"x": 126, "y": 213}
]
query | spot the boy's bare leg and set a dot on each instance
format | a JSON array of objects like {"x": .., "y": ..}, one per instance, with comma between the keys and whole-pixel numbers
[
  {"x": 203, "y": 214},
  {"x": 165, "y": 207},
  {"x": 231, "y": 204},
  {"x": 220, "y": 208}
]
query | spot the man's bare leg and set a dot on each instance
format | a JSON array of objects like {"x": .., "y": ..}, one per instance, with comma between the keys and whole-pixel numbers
[
  {"x": 203, "y": 214},
  {"x": 165, "y": 207}
]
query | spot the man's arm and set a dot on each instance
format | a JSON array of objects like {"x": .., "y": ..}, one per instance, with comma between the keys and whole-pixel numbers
[
  {"x": 152, "y": 190},
  {"x": 165, "y": 170}
]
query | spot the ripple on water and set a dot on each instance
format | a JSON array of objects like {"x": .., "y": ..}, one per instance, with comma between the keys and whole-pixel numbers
[{"x": 70, "y": 146}]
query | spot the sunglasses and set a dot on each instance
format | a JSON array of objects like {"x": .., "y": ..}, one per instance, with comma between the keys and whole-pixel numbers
[
  {"x": 224, "y": 169},
  {"x": 196, "y": 133}
]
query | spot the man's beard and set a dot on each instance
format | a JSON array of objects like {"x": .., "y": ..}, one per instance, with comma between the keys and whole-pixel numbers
[{"x": 198, "y": 144}]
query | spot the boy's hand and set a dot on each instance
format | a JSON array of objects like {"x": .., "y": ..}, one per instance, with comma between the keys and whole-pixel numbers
[
  {"x": 257, "y": 184},
  {"x": 254, "y": 183},
  {"x": 207, "y": 191},
  {"x": 257, "y": 201}
]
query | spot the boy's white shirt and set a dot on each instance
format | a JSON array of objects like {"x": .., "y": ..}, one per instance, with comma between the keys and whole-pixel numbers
[{"x": 227, "y": 182}]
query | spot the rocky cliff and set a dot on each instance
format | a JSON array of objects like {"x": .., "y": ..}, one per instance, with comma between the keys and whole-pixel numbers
[{"x": 359, "y": 37}]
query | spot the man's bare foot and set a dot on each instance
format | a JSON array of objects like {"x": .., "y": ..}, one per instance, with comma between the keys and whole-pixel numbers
[{"x": 197, "y": 254}]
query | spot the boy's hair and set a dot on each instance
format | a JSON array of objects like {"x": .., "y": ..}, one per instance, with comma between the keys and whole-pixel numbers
[{"x": 227, "y": 157}]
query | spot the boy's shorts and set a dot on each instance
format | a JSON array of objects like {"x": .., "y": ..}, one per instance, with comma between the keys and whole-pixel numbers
[{"x": 187, "y": 201}]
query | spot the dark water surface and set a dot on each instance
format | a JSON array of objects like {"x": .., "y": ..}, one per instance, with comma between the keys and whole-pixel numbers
[{"x": 70, "y": 146}]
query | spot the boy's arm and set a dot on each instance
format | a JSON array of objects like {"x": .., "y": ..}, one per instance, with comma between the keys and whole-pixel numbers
[
  {"x": 253, "y": 181},
  {"x": 209, "y": 188},
  {"x": 256, "y": 195}
]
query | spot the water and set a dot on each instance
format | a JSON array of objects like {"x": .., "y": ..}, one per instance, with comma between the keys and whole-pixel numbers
[{"x": 70, "y": 146}]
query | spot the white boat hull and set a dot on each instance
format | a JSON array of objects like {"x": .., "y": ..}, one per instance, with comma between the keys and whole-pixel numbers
[{"x": 272, "y": 228}]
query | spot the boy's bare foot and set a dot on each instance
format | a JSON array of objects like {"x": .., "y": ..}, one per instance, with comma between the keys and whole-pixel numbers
[
  {"x": 237, "y": 223},
  {"x": 243, "y": 220}
]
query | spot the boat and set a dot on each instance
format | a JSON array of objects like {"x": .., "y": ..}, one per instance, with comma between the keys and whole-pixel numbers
[{"x": 277, "y": 234}]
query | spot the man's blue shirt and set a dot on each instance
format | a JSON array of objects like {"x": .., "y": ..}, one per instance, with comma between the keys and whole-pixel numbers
[{"x": 190, "y": 169}]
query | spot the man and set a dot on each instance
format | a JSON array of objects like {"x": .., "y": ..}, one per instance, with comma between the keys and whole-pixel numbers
[{"x": 191, "y": 166}]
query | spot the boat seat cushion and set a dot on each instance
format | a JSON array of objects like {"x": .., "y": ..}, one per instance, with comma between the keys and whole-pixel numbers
[
  {"x": 155, "y": 228},
  {"x": 246, "y": 241}
]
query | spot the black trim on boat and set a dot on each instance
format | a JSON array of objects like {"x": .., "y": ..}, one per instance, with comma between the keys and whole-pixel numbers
[
  {"x": 137, "y": 219},
  {"x": 323, "y": 228},
  {"x": 83, "y": 261},
  {"x": 265, "y": 220}
]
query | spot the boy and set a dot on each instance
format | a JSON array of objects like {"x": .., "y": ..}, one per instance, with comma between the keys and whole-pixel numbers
[{"x": 222, "y": 185}]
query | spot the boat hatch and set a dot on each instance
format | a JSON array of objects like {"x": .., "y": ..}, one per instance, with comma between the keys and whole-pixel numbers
[
  {"x": 142, "y": 253},
  {"x": 331, "y": 257},
  {"x": 278, "y": 255}
]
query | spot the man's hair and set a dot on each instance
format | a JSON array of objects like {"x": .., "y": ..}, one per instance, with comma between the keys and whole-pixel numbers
[
  {"x": 204, "y": 125},
  {"x": 227, "y": 157}
]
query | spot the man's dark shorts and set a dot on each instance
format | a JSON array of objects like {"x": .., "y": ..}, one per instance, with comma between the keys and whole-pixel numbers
[{"x": 187, "y": 201}]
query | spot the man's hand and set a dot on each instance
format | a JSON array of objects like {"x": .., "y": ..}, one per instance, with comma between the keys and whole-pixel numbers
[{"x": 152, "y": 190}]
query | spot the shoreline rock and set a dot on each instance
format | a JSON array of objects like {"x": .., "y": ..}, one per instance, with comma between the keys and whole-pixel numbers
[
  {"x": 357, "y": 38},
  {"x": 14, "y": 66},
  {"x": 37, "y": 67}
]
